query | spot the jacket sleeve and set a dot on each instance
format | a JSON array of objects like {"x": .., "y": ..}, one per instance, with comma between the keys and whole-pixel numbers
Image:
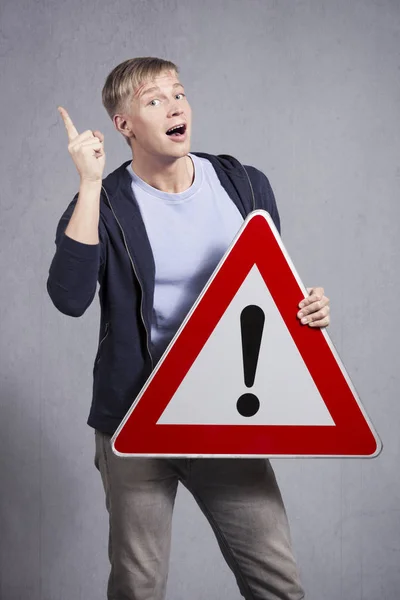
[
  {"x": 73, "y": 272},
  {"x": 265, "y": 197}
]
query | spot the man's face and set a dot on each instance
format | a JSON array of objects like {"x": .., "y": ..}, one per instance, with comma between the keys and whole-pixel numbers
[{"x": 156, "y": 107}]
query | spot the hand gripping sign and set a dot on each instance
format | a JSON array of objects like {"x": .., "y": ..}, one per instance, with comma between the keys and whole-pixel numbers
[{"x": 242, "y": 377}]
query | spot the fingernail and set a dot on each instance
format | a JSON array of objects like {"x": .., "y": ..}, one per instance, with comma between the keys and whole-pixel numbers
[
  {"x": 304, "y": 321},
  {"x": 300, "y": 315}
]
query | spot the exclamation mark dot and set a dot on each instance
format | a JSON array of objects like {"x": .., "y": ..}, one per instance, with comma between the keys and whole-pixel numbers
[{"x": 252, "y": 324}]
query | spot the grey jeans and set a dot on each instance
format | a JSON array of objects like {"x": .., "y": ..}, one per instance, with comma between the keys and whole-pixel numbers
[{"x": 239, "y": 497}]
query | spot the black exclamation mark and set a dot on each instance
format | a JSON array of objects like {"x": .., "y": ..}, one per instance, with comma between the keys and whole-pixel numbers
[{"x": 252, "y": 324}]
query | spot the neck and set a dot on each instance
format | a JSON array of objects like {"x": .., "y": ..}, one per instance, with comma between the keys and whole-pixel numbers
[{"x": 172, "y": 175}]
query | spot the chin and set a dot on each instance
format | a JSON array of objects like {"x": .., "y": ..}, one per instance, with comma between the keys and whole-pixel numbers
[{"x": 180, "y": 151}]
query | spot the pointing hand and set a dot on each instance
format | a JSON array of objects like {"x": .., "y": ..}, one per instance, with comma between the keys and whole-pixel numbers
[{"x": 86, "y": 149}]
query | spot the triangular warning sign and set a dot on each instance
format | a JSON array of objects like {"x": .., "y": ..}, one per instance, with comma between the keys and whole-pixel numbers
[{"x": 242, "y": 376}]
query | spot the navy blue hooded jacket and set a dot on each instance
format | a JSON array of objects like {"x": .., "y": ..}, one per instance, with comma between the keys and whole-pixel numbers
[{"x": 123, "y": 264}]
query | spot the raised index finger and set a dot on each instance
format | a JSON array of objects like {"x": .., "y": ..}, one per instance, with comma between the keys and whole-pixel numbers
[{"x": 69, "y": 126}]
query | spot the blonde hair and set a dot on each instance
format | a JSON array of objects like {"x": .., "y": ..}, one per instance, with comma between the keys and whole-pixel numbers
[{"x": 126, "y": 77}]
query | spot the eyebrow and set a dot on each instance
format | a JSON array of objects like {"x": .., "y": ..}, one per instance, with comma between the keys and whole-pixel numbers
[{"x": 157, "y": 89}]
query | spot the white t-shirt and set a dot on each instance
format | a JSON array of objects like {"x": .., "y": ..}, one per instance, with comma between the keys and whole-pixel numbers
[{"x": 189, "y": 233}]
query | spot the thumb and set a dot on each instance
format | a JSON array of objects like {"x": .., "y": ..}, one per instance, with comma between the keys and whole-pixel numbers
[{"x": 98, "y": 134}]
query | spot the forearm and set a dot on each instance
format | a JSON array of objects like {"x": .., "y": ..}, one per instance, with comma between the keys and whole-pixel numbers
[
  {"x": 84, "y": 223},
  {"x": 75, "y": 266}
]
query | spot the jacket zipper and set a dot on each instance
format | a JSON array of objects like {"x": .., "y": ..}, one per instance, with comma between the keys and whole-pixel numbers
[
  {"x": 102, "y": 340},
  {"x": 136, "y": 275},
  {"x": 251, "y": 187}
]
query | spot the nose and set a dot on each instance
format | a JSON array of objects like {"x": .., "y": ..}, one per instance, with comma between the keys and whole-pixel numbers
[{"x": 175, "y": 109}]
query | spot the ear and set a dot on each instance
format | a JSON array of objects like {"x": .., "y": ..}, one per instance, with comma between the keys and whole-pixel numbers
[{"x": 123, "y": 126}]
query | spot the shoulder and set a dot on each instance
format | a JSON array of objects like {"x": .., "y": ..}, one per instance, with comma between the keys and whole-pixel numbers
[
  {"x": 264, "y": 193},
  {"x": 258, "y": 176},
  {"x": 260, "y": 179}
]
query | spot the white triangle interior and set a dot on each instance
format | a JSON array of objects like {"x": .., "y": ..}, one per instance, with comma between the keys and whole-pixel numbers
[{"x": 286, "y": 391}]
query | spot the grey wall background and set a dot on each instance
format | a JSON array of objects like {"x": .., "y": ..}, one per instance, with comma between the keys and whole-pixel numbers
[{"x": 308, "y": 91}]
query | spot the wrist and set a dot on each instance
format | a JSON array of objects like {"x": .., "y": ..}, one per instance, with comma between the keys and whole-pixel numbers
[{"x": 90, "y": 183}]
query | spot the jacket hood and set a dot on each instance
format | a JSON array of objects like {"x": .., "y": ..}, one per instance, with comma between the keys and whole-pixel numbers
[
  {"x": 232, "y": 166},
  {"x": 120, "y": 176},
  {"x": 224, "y": 161}
]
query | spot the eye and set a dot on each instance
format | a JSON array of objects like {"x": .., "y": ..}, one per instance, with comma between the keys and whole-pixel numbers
[
  {"x": 180, "y": 94},
  {"x": 152, "y": 102}
]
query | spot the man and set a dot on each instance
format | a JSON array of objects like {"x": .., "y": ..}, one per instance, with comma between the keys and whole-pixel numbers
[{"x": 151, "y": 234}]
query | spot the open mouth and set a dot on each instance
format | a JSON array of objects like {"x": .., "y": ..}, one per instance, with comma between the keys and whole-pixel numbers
[{"x": 177, "y": 130}]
